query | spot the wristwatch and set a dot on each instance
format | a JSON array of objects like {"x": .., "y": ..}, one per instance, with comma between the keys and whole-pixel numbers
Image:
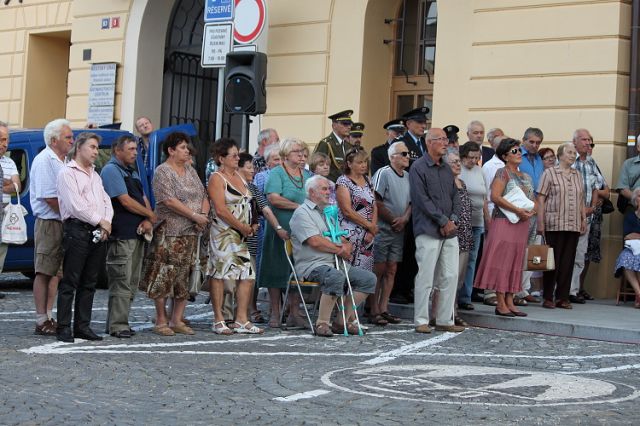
[{"x": 278, "y": 228}]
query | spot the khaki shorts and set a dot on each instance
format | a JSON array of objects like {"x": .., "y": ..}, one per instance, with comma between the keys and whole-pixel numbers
[{"x": 48, "y": 246}]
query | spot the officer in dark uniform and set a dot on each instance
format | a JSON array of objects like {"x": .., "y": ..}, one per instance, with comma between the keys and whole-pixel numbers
[
  {"x": 355, "y": 136},
  {"x": 416, "y": 121},
  {"x": 452, "y": 134},
  {"x": 337, "y": 144},
  {"x": 379, "y": 155}
]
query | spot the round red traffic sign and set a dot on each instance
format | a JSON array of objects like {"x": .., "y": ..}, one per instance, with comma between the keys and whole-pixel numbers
[{"x": 249, "y": 20}]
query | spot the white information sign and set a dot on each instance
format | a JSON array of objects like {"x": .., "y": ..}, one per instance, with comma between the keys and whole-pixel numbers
[
  {"x": 102, "y": 93},
  {"x": 216, "y": 43}
]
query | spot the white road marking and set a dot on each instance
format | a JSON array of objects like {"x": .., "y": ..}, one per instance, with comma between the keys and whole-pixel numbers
[
  {"x": 406, "y": 349},
  {"x": 554, "y": 357},
  {"x": 606, "y": 369},
  {"x": 302, "y": 395},
  {"x": 104, "y": 308},
  {"x": 98, "y": 350}
]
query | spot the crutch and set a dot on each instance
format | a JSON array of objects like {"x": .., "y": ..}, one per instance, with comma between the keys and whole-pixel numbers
[
  {"x": 353, "y": 299},
  {"x": 336, "y": 234}
]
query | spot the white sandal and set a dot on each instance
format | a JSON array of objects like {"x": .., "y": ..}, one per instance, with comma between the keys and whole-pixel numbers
[
  {"x": 221, "y": 330},
  {"x": 242, "y": 328}
]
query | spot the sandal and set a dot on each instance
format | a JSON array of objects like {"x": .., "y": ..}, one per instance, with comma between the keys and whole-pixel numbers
[
  {"x": 518, "y": 301},
  {"x": 391, "y": 319},
  {"x": 242, "y": 328},
  {"x": 491, "y": 301},
  {"x": 459, "y": 321},
  {"x": 256, "y": 317},
  {"x": 183, "y": 329},
  {"x": 221, "y": 328},
  {"x": 323, "y": 330},
  {"x": 163, "y": 330},
  {"x": 378, "y": 320}
]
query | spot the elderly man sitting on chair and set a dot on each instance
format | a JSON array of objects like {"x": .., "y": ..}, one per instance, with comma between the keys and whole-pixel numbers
[{"x": 315, "y": 259}]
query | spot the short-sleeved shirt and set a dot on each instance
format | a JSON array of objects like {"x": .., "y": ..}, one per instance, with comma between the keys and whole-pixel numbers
[
  {"x": 394, "y": 191},
  {"x": 43, "y": 179},
  {"x": 477, "y": 190},
  {"x": 489, "y": 170},
  {"x": 306, "y": 222},
  {"x": 291, "y": 188},
  {"x": 532, "y": 165},
  {"x": 591, "y": 177},
  {"x": 564, "y": 199},
  {"x": 630, "y": 174},
  {"x": 187, "y": 189},
  {"x": 113, "y": 175},
  {"x": 9, "y": 169}
]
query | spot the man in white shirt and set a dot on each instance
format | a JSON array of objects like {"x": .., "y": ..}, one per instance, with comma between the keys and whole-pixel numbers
[
  {"x": 43, "y": 193},
  {"x": 9, "y": 178}
]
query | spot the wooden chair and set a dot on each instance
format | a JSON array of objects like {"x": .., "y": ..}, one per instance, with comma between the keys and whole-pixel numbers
[{"x": 294, "y": 281}]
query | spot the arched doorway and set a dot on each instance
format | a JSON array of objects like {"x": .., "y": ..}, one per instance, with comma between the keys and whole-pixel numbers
[
  {"x": 414, "y": 57},
  {"x": 188, "y": 90}
]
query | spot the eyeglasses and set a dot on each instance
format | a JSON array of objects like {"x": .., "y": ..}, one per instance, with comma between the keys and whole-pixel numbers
[
  {"x": 403, "y": 153},
  {"x": 454, "y": 162},
  {"x": 514, "y": 151},
  {"x": 592, "y": 145},
  {"x": 235, "y": 155},
  {"x": 549, "y": 158}
]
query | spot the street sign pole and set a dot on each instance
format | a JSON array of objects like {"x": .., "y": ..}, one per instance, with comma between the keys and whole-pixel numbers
[{"x": 220, "y": 103}]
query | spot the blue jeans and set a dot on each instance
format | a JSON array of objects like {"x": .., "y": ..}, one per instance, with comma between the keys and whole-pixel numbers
[{"x": 464, "y": 294}]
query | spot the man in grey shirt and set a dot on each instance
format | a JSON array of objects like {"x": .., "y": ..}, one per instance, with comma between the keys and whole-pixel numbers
[
  {"x": 315, "y": 259},
  {"x": 435, "y": 207}
]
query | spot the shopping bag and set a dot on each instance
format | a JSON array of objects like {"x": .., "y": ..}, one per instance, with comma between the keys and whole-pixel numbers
[{"x": 14, "y": 227}]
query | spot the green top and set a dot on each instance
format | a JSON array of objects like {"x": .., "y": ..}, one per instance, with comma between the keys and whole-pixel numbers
[
  {"x": 336, "y": 152},
  {"x": 289, "y": 187}
]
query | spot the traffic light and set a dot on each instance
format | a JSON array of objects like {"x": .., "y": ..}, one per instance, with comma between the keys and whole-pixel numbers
[{"x": 245, "y": 79}]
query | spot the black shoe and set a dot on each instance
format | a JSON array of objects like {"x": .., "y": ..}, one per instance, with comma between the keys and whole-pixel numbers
[
  {"x": 87, "y": 334},
  {"x": 122, "y": 334},
  {"x": 585, "y": 295},
  {"x": 577, "y": 299},
  {"x": 63, "y": 334},
  {"x": 506, "y": 314},
  {"x": 466, "y": 306},
  {"x": 132, "y": 332}
]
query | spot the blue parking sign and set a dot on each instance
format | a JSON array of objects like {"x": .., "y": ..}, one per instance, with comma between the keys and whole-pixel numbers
[{"x": 218, "y": 10}]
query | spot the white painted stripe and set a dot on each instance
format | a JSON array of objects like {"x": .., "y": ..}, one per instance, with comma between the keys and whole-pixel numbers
[
  {"x": 555, "y": 357},
  {"x": 133, "y": 308},
  {"x": 406, "y": 349},
  {"x": 302, "y": 395},
  {"x": 604, "y": 370},
  {"x": 99, "y": 350},
  {"x": 10, "y": 292}
]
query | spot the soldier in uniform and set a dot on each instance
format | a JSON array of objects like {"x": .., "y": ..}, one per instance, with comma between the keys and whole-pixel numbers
[
  {"x": 355, "y": 136},
  {"x": 452, "y": 134},
  {"x": 337, "y": 144},
  {"x": 416, "y": 122},
  {"x": 379, "y": 155}
]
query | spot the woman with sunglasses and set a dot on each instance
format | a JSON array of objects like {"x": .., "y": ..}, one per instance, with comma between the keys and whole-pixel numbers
[
  {"x": 359, "y": 215},
  {"x": 504, "y": 249},
  {"x": 560, "y": 191}
]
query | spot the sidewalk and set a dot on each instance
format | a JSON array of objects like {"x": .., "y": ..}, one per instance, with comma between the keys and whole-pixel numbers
[{"x": 597, "y": 320}]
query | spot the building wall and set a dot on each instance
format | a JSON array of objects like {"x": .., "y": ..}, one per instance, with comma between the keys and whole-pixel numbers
[{"x": 554, "y": 64}]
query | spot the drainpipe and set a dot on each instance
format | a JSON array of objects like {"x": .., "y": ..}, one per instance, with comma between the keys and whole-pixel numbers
[{"x": 634, "y": 80}]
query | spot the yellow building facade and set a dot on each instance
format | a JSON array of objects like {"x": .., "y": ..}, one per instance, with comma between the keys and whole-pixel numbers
[{"x": 554, "y": 64}]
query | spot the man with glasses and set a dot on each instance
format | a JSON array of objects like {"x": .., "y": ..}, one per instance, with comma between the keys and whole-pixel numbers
[
  {"x": 391, "y": 186},
  {"x": 592, "y": 179},
  {"x": 336, "y": 145},
  {"x": 416, "y": 121},
  {"x": 435, "y": 205},
  {"x": 379, "y": 154}
]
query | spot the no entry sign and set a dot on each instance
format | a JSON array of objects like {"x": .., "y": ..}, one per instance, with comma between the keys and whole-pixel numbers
[{"x": 249, "y": 21}]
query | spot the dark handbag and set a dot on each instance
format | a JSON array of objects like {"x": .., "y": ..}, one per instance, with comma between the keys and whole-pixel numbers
[
  {"x": 622, "y": 203},
  {"x": 607, "y": 206}
]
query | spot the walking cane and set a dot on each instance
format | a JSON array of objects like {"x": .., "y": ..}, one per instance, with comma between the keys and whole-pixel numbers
[{"x": 335, "y": 233}]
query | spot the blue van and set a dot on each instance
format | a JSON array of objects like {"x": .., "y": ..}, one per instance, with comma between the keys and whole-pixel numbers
[{"x": 25, "y": 144}]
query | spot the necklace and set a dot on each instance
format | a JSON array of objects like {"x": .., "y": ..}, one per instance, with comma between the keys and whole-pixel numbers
[{"x": 297, "y": 182}]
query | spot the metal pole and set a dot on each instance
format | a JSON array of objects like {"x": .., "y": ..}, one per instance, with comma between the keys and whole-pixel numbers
[{"x": 220, "y": 103}]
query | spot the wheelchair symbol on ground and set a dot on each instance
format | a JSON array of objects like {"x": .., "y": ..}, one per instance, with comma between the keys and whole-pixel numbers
[{"x": 477, "y": 385}]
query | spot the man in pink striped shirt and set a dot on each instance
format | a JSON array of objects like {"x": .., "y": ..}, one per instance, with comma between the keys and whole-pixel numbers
[{"x": 86, "y": 212}]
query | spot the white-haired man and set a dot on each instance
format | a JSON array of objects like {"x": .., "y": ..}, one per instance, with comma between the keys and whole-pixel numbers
[
  {"x": 315, "y": 259},
  {"x": 475, "y": 133},
  {"x": 266, "y": 138},
  {"x": 9, "y": 176},
  {"x": 391, "y": 186},
  {"x": 43, "y": 193}
]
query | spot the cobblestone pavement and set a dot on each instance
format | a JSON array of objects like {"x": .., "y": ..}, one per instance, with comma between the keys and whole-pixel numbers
[{"x": 390, "y": 376}]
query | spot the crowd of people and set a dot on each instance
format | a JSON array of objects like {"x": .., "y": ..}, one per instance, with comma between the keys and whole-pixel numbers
[{"x": 422, "y": 216}]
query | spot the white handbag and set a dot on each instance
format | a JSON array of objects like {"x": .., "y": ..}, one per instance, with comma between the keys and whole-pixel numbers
[
  {"x": 14, "y": 227},
  {"x": 518, "y": 198}
]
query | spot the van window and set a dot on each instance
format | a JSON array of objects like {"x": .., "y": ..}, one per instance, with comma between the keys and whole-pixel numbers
[
  {"x": 19, "y": 156},
  {"x": 104, "y": 155}
]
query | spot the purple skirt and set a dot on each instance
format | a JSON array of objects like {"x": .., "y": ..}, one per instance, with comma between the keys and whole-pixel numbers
[{"x": 503, "y": 256}]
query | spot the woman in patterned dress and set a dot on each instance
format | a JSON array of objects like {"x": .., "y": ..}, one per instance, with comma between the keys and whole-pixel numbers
[
  {"x": 359, "y": 216},
  {"x": 231, "y": 225},
  {"x": 504, "y": 250},
  {"x": 182, "y": 208},
  {"x": 627, "y": 262}
]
